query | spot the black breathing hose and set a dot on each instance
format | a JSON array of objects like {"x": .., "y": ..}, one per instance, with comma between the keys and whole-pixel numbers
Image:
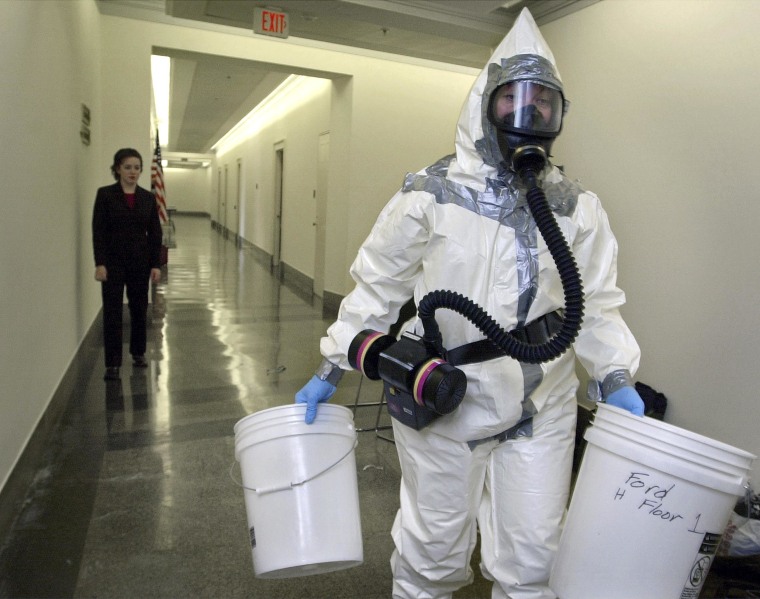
[{"x": 571, "y": 284}]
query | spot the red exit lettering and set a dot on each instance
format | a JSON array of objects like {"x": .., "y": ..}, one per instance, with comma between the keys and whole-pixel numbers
[
  {"x": 270, "y": 22},
  {"x": 273, "y": 22}
]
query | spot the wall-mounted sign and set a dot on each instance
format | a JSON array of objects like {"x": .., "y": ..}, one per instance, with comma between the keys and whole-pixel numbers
[
  {"x": 84, "y": 130},
  {"x": 268, "y": 21}
]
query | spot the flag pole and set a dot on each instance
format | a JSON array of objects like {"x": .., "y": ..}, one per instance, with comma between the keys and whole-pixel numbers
[{"x": 159, "y": 191}]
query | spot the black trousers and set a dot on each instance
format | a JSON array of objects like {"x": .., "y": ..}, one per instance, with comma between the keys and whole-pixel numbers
[{"x": 137, "y": 283}]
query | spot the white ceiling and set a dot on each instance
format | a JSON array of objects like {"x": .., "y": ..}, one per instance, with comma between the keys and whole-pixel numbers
[{"x": 210, "y": 94}]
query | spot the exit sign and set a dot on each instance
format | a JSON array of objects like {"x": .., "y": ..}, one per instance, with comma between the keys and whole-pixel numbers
[{"x": 270, "y": 22}]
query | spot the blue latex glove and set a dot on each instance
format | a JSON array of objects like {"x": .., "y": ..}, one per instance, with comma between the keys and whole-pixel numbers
[
  {"x": 628, "y": 399},
  {"x": 312, "y": 393}
]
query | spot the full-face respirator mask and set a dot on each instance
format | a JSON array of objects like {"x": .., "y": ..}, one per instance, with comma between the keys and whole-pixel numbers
[
  {"x": 419, "y": 382},
  {"x": 527, "y": 116}
]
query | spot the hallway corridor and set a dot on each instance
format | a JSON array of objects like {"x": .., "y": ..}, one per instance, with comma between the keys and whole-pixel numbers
[
  {"x": 135, "y": 498},
  {"x": 135, "y": 495}
]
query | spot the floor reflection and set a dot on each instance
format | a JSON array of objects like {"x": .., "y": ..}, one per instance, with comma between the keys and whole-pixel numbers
[{"x": 133, "y": 497}]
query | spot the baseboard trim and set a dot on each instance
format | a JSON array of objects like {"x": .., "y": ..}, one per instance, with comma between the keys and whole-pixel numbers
[
  {"x": 330, "y": 304},
  {"x": 14, "y": 491},
  {"x": 297, "y": 282}
]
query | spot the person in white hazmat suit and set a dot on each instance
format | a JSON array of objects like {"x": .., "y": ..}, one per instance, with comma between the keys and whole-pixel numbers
[{"x": 501, "y": 462}]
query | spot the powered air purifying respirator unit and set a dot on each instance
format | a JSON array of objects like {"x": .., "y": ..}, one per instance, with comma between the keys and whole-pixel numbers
[{"x": 419, "y": 385}]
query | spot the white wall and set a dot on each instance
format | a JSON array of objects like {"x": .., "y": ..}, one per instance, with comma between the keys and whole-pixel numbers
[
  {"x": 401, "y": 118},
  {"x": 187, "y": 190},
  {"x": 385, "y": 118},
  {"x": 49, "y": 66},
  {"x": 664, "y": 126},
  {"x": 296, "y": 129}
]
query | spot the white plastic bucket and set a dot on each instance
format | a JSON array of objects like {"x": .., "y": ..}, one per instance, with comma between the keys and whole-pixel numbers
[
  {"x": 649, "y": 507},
  {"x": 301, "y": 491}
]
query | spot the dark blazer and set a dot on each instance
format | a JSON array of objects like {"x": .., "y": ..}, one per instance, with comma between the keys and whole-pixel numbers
[{"x": 123, "y": 236}]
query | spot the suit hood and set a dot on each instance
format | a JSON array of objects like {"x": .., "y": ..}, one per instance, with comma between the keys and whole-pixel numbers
[{"x": 522, "y": 55}]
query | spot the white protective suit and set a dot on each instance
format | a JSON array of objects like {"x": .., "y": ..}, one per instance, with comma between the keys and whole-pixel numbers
[{"x": 504, "y": 455}]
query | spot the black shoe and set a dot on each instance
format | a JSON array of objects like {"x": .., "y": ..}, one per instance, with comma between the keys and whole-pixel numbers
[
  {"x": 112, "y": 374},
  {"x": 139, "y": 362}
]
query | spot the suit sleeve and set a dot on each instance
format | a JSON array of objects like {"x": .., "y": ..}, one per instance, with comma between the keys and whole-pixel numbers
[
  {"x": 605, "y": 343},
  {"x": 100, "y": 228},
  {"x": 155, "y": 235},
  {"x": 385, "y": 272}
]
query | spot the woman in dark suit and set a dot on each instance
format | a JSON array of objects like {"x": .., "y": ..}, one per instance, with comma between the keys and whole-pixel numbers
[{"x": 126, "y": 236}]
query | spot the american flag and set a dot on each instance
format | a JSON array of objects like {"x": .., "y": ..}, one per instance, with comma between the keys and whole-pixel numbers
[{"x": 157, "y": 183}]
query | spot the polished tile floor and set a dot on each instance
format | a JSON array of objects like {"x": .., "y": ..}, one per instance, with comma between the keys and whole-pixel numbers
[{"x": 135, "y": 495}]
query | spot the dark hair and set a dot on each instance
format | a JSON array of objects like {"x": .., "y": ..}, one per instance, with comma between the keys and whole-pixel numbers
[{"x": 121, "y": 156}]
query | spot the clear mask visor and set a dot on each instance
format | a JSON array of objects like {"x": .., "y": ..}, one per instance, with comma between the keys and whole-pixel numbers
[{"x": 527, "y": 107}]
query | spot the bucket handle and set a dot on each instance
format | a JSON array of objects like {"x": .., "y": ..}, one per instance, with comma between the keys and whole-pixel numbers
[
  {"x": 748, "y": 494},
  {"x": 289, "y": 486}
]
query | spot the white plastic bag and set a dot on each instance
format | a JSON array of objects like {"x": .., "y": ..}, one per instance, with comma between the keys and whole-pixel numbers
[{"x": 742, "y": 535}]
